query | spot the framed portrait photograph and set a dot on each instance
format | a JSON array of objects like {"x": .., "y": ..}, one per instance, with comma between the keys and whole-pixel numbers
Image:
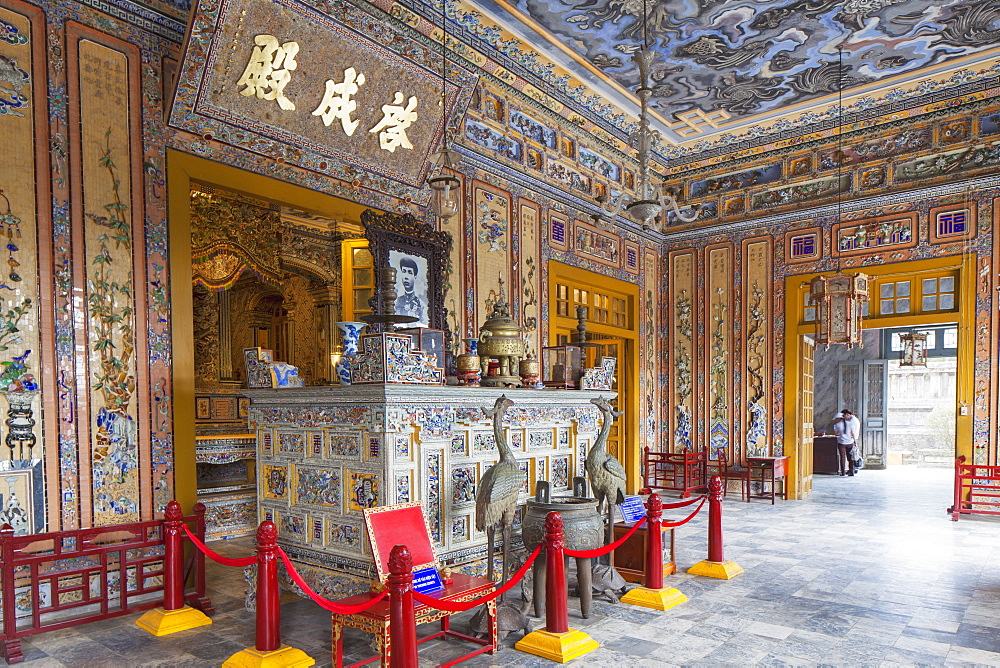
[
  {"x": 419, "y": 254},
  {"x": 412, "y": 294}
]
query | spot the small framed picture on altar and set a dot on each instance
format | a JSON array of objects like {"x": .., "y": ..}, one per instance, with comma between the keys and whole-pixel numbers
[{"x": 419, "y": 254}]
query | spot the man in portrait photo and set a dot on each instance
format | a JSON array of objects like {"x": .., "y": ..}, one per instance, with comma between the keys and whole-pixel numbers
[{"x": 411, "y": 300}]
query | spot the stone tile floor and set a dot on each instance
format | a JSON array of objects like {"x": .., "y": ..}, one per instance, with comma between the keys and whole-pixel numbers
[{"x": 868, "y": 571}]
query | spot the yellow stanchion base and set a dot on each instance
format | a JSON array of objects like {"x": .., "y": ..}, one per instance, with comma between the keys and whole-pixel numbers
[
  {"x": 724, "y": 570},
  {"x": 283, "y": 657},
  {"x": 657, "y": 599},
  {"x": 561, "y": 647},
  {"x": 162, "y": 622}
]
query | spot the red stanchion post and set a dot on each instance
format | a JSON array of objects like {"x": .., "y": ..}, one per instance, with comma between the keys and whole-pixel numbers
[
  {"x": 173, "y": 562},
  {"x": 715, "y": 566},
  {"x": 654, "y": 595},
  {"x": 956, "y": 508},
  {"x": 174, "y": 616},
  {"x": 557, "y": 642},
  {"x": 402, "y": 624},
  {"x": 654, "y": 542},
  {"x": 267, "y": 649},
  {"x": 556, "y": 603},
  {"x": 200, "y": 598},
  {"x": 715, "y": 551},
  {"x": 268, "y": 595}
]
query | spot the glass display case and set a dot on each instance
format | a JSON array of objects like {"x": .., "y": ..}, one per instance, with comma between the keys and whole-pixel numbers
[{"x": 561, "y": 367}]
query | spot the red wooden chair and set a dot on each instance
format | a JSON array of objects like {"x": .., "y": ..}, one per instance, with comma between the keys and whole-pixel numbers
[{"x": 722, "y": 469}]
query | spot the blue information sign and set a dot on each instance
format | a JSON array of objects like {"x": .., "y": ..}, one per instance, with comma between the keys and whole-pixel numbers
[
  {"x": 427, "y": 580},
  {"x": 632, "y": 509}
]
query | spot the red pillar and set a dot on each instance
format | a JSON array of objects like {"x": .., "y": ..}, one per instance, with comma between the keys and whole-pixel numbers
[
  {"x": 173, "y": 560},
  {"x": 654, "y": 542},
  {"x": 268, "y": 595},
  {"x": 715, "y": 520},
  {"x": 556, "y": 605},
  {"x": 402, "y": 622}
]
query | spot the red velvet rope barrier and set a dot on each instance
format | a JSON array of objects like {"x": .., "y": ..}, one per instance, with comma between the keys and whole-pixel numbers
[
  {"x": 688, "y": 518},
  {"x": 451, "y": 606},
  {"x": 686, "y": 502},
  {"x": 338, "y": 608},
  {"x": 601, "y": 551},
  {"x": 214, "y": 556}
]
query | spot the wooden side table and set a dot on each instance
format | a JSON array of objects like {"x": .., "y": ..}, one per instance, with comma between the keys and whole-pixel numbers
[
  {"x": 376, "y": 620},
  {"x": 630, "y": 558},
  {"x": 768, "y": 470}
]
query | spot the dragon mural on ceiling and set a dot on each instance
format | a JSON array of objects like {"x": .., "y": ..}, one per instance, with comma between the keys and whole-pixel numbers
[{"x": 753, "y": 57}]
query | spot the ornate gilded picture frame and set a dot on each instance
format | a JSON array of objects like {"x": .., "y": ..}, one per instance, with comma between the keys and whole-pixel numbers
[{"x": 419, "y": 253}]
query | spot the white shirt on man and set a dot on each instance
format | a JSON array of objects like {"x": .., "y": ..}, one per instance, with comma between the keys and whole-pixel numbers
[{"x": 847, "y": 430}]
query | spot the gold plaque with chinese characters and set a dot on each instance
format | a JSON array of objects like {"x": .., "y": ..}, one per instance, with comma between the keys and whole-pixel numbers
[{"x": 281, "y": 78}]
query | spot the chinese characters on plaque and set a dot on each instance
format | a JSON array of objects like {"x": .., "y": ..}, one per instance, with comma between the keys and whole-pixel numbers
[{"x": 270, "y": 69}]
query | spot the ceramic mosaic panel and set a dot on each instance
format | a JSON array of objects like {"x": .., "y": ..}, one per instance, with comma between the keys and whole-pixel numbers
[
  {"x": 291, "y": 443},
  {"x": 524, "y": 467},
  {"x": 596, "y": 244},
  {"x": 402, "y": 449},
  {"x": 363, "y": 490},
  {"x": 460, "y": 528},
  {"x": 433, "y": 463},
  {"x": 317, "y": 486},
  {"x": 374, "y": 449},
  {"x": 266, "y": 442},
  {"x": 527, "y": 251},
  {"x": 110, "y": 202},
  {"x": 483, "y": 442},
  {"x": 293, "y": 527},
  {"x": 464, "y": 480},
  {"x": 22, "y": 503},
  {"x": 649, "y": 336},
  {"x": 758, "y": 342},
  {"x": 560, "y": 472},
  {"x": 681, "y": 357},
  {"x": 491, "y": 210},
  {"x": 315, "y": 445},
  {"x": 717, "y": 342},
  {"x": 344, "y": 444},
  {"x": 346, "y": 535},
  {"x": 540, "y": 440},
  {"x": 274, "y": 482},
  {"x": 558, "y": 230},
  {"x": 458, "y": 448},
  {"x": 404, "y": 486}
]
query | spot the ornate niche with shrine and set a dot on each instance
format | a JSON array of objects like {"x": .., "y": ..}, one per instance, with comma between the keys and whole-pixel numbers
[{"x": 262, "y": 277}]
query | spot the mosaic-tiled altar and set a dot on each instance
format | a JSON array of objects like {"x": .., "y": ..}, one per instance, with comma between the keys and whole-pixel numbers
[{"x": 325, "y": 453}]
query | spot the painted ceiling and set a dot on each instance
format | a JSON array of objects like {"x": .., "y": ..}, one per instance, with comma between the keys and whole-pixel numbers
[{"x": 724, "y": 65}]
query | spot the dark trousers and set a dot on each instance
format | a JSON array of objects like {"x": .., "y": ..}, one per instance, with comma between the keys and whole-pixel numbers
[{"x": 844, "y": 462}]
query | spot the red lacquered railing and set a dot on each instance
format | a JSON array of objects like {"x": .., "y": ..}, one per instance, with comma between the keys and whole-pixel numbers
[
  {"x": 977, "y": 489},
  {"x": 683, "y": 472},
  {"x": 65, "y": 578}
]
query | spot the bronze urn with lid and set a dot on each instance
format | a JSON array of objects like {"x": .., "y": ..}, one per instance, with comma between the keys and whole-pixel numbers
[{"x": 500, "y": 343}]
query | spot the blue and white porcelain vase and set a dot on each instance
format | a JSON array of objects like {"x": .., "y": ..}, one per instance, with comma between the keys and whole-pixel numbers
[{"x": 349, "y": 332}]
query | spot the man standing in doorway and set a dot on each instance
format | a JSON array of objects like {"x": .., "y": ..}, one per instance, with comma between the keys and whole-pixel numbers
[{"x": 847, "y": 429}]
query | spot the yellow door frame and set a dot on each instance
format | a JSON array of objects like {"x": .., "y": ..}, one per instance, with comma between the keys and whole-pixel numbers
[
  {"x": 182, "y": 171},
  {"x": 796, "y": 291},
  {"x": 581, "y": 278}
]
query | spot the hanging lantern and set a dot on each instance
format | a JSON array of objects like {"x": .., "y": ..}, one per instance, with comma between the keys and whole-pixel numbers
[
  {"x": 838, "y": 300},
  {"x": 914, "y": 352}
]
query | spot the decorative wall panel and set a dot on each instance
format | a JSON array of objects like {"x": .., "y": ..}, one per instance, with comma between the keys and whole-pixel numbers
[
  {"x": 681, "y": 358},
  {"x": 758, "y": 319},
  {"x": 718, "y": 358},
  {"x": 491, "y": 227},
  {"x": 23, "y": 216},
  {"x": 526, "y": 252},
  {"x": 107, "y": 223},
  {"x": 649, "y": 335},
  {"x": 454, "y": 300}
]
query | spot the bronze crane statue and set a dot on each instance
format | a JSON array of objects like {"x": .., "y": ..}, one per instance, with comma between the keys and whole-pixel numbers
[
  {"x": 607, "y": 475},
  {"x": 496, "y": 498}
]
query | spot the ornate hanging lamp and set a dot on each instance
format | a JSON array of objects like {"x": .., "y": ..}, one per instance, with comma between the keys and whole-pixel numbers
[
  {"x": 444, "y": 201},
  {"x": 914, "y": 352},
  {"x": 839, "y": 299},
  {"x": 650, "y": 200}
]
